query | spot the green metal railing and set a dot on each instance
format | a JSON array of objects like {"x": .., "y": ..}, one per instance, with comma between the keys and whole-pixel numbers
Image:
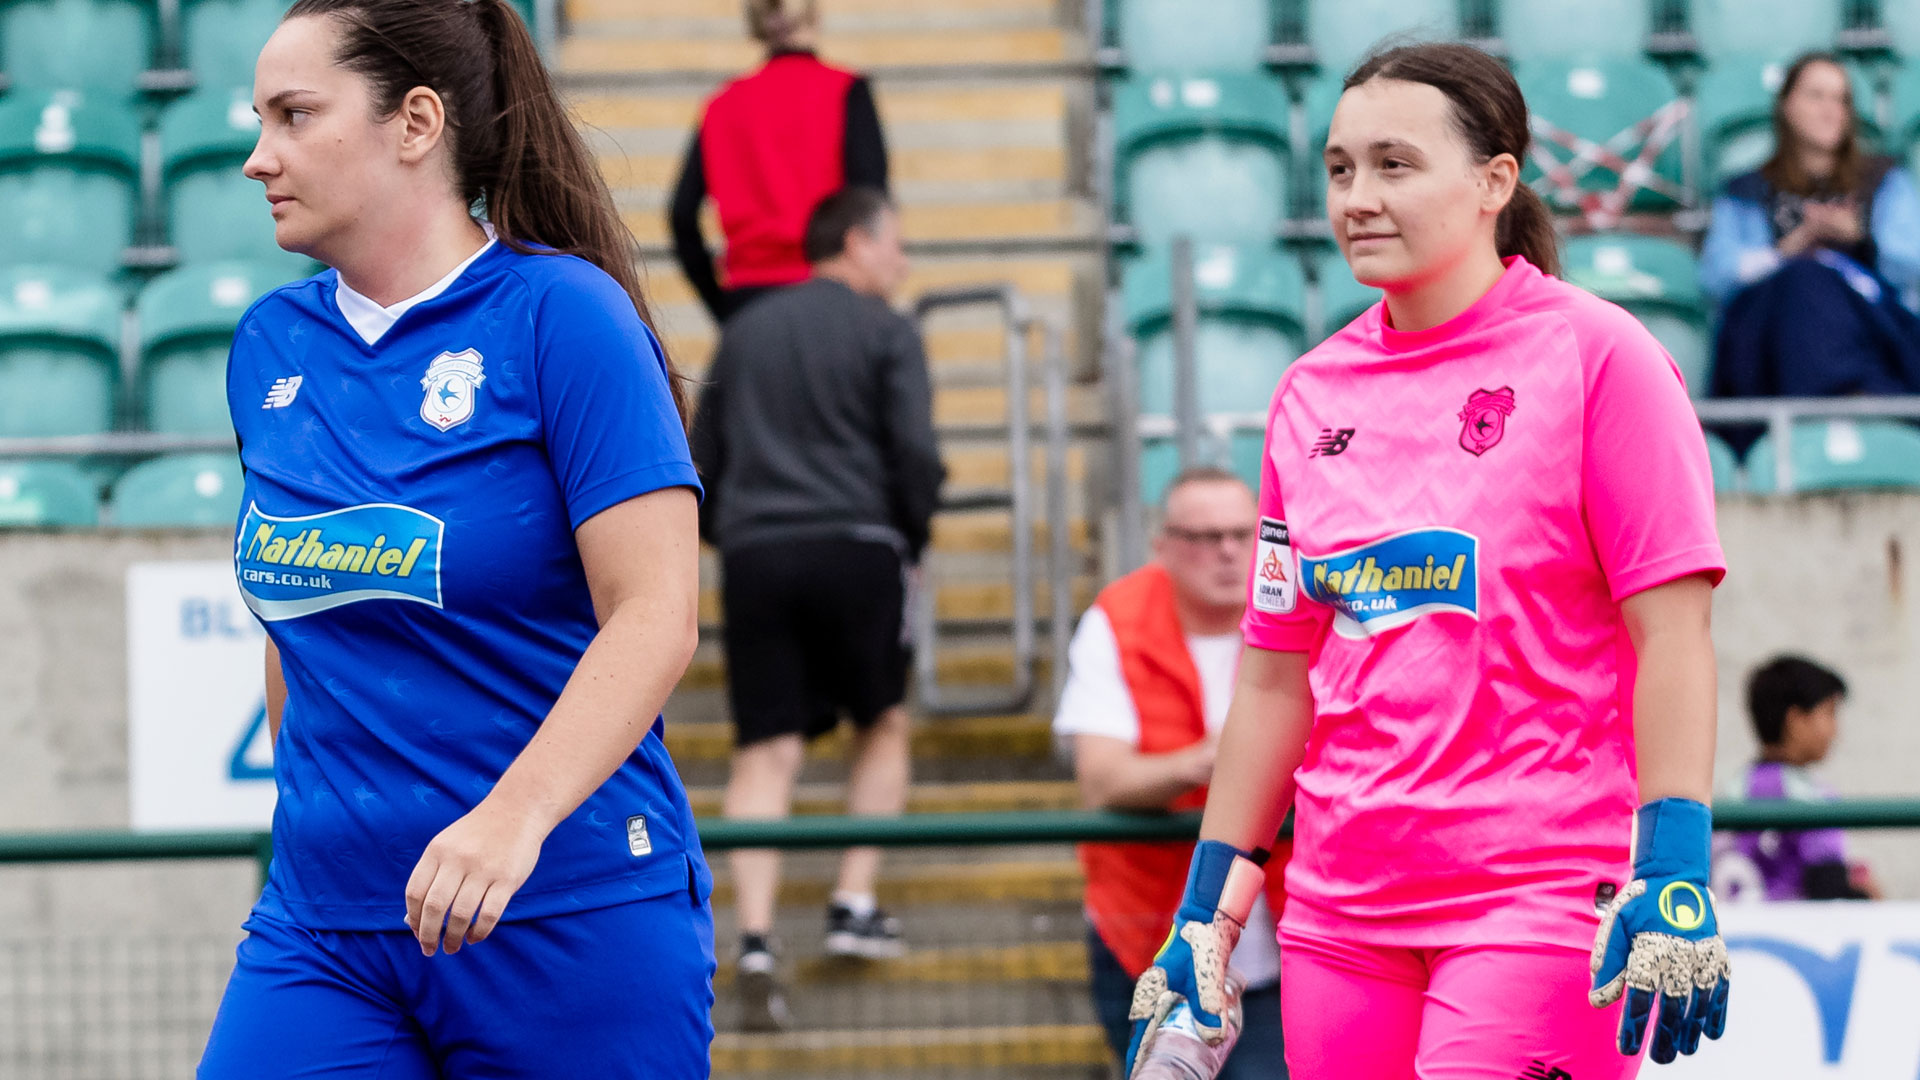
[{"x": 911, "y": 830}]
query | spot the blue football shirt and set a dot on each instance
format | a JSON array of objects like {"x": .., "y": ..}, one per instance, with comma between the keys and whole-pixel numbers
[{"x": 407, "y": 540}]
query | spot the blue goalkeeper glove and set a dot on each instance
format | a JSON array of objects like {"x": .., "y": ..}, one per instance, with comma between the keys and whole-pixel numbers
[
  {"x": 1222, "y": 885},
  {"x": 1659, "y": 936}
]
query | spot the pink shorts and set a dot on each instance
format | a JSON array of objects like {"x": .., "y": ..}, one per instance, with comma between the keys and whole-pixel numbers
[{"x": 1473, "y": 1012}]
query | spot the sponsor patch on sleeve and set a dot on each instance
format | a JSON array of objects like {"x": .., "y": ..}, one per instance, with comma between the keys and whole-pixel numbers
[{"x": 1274, "y": 589}]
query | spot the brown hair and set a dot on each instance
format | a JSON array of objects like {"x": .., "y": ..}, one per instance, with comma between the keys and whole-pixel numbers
[
  {"x": 1783, "y": 170},
  {"x": 515, "y": 152},
  {"x": 1490, "y": 115},
  {"x": 774, "y": 22}
]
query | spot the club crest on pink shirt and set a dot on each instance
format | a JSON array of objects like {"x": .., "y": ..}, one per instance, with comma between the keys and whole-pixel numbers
[{"x": 1484, "y": 420}]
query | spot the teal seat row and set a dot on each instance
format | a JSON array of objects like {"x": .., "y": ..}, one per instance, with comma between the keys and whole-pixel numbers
[
  {"x": 182, "y": 490},
  {"x": 61, "y": 337}
]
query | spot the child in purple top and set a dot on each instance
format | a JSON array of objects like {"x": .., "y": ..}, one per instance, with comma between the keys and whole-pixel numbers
[{"x": 1794, "y": 704}]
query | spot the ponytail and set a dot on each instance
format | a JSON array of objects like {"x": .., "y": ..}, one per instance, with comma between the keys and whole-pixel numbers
[
  {"x": 1490, "y": 115},
  {"x": 515, "y": 151},
  {"x": 1525, "y": 228}
]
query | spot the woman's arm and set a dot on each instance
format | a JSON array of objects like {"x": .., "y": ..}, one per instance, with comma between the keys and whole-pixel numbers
[
  {"x": 276, "y": 692},
  {"x": 1115, "y": 776},
  {"x": 1674, "y": 709},
  {"x": 642, "y": 565},
  {"x": 1738, "y": 249},
  {"x": 1263, "y": 742},
  {"x": 1896, "y": 230}
]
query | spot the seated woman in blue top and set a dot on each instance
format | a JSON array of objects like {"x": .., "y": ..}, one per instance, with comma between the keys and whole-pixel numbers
[
  {"x": 1811, "y": 256},
  {"x": 470, "y": 532}
]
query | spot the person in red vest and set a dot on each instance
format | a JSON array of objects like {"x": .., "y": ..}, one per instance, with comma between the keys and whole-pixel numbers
[
  {"x": 769, "y": 147},
  {"x": 1150, "y": 672}
]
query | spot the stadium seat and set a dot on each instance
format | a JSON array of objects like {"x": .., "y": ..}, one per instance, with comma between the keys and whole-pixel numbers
[
  {"x": 1905, "y": 143},
  {"x": 1342, "y": 299},
  {"x": 186, "y": 328},
  {"x": 99, "y": 45},
  {"x": 1249, "y": 329},
  {"x": 214, "y": 212},
  {"x": 69, "y": 179},
  {"x": 1725, "y": 463},
  {"x": 1203, "y": 155},
  {"x": 1592, "y": 118},
  {"x": 59, "y": 330},
  {"x": 1726, "y": 27},
  {"x": 1829, "y": 454},
  {"x": 46, "y": 494},
  {"x": 1163, "y": 35},
  {"x": 1343, "y": 32},
  {"x": 223, "y": 37},
  {"x": 1656, "y": 280},
  {"x": 179, "y": 490},
  {"x": 1733, "y": 106},
  {"x": 1244, "y": 451},
  {"x": 1159, "y": 464},
  {"x": 1547, "y": 29}
]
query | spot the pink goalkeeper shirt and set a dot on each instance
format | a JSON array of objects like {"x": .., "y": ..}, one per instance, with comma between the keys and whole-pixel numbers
[{"x": 1449, "y": 521}]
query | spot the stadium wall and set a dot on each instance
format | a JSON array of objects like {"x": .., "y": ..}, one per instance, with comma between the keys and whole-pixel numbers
[{"x": 1825, "y": 575}]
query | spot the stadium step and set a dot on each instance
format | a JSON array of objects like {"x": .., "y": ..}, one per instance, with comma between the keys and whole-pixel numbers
[
  {"x": 591, "y": 55},
  {"x": 966, "y": 883},
  {"x": 956, "y": 737},
  {"x": 839, "y": 1052},
  {"x": 926, "y": 798},
  {"x": 1049, "y": 961}
]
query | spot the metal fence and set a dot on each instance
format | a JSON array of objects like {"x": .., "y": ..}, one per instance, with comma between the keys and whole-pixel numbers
[{"x": 995, "y": 984}]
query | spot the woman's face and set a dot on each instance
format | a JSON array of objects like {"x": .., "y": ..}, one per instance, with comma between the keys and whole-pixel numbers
[
  {"x": 1406, "y": 201},
  {"x": 324, "y": 158},
  {"x": 1817, "y": 110}
]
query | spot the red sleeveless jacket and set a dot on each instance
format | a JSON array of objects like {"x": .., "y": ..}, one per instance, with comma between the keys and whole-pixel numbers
[{"x": 1134, "y": 889}]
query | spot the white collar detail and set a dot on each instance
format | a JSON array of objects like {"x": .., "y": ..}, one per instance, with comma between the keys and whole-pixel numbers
[{"x": 371, "y": 321}]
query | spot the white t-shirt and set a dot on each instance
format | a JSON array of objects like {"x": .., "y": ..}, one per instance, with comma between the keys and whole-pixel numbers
[
  {"x": 371, "y": 321},
  {"x": 1096, "y": 701}
]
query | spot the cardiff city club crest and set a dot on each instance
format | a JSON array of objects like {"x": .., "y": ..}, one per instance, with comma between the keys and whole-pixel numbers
[
  {"x": 452, "y": 382},
  {"x": 1484, "y": 420}
]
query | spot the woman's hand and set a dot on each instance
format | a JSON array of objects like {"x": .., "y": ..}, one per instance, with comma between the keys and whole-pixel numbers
[
  {"x": 468, "y": 874},
  {"x": 1804, "y": 236},
  {"x": 1837, "y": 223}
]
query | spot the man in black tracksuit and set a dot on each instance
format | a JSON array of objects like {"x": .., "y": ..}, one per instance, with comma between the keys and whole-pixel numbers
[{"x": 815, "y": 442}]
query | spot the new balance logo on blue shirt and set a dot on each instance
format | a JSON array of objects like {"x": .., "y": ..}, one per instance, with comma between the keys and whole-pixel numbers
[{"x": 283, "y": 391}]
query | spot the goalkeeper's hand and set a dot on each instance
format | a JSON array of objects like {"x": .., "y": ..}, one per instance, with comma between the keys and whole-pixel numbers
[
  {"x": 1659, "y": 936},
  {"x": 1222, "y": 885}
]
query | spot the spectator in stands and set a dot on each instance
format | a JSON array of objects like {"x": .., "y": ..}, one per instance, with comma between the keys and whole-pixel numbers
[
  {"x": 1812, "y": 255},
  {"x": 769, "y": 147},
  {"x": 816, "y": 440},
  {"x": 1794, "y": 704},
  {"x": 1150, "y": 673}
]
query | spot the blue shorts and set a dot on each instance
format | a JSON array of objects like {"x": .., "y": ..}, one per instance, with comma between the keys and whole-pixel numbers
[{"x": 615, "y": 993}]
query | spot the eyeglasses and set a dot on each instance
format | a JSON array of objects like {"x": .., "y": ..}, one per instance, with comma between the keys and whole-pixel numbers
[{"x": 1209, "y": 537}]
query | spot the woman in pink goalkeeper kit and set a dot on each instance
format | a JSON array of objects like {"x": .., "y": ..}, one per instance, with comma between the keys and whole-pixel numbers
[{"x": 1477, "y": 642}]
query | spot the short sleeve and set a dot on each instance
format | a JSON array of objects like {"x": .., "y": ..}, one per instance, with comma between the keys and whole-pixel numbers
[
  {"x": 1279, "y": 616},
  {"x": 1646, "y": 485},
  {"x": 1095, "y": 700},
  {"x": 611, "y": 428}
]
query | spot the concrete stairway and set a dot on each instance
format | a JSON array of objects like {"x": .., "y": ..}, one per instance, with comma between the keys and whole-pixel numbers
[{"x": 986, "y": 104}]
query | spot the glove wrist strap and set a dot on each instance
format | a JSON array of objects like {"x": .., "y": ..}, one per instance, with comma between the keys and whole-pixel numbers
[
  {"x": 1224, "y": 879},
  {"x": 1673, "y": 837}
]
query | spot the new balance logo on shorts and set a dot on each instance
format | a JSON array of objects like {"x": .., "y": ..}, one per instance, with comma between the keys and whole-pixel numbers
[
  {"x": 1332, "y": 441},
  {"x": 1540, "y": 1070}
]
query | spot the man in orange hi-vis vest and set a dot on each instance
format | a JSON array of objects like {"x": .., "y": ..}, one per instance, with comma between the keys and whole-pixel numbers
[{"x": 1150, "y": 673}]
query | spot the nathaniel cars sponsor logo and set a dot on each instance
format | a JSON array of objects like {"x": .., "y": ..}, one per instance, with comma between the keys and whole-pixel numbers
[
  {"x": 1392, "y": 582},
  {"x": 294, "y": 566}
]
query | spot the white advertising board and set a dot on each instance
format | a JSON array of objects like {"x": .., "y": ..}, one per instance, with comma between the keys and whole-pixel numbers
[
  {"x": 198, "y": 753},
  {"x": 1821, "y": 991}
]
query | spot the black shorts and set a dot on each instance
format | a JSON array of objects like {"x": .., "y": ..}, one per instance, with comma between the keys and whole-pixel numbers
[{"x": 814, "y": 628}]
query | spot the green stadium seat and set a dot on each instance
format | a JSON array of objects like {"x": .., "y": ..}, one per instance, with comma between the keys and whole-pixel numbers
[
  {"x": 1343, "y": 32},
  {"x": 1599, "y": 100},
  {"x": 1250, "y": 327},
  {"x": 1547, "y": 29},
  {"x": 69, "y": 179},
  {"x": 223, "y": 37},
  {"x": 1244, "y": 452},
  {"x": 1905, "y": 143},
  {"x": 1832, "y": 454},
  {"x": 59, "y": 334},
  {"x": 1902, "y": 20},
  {"x": 100, "y": 45},
  {"x": 1657, "y": 280},
  {"x": 46, "y": 494},
  {"x": 179, "y": 491},
  {"x": 186, "y": 329},
  {"x": 1204, "y": 155},
  {"x": 1726, "y": 465},
  {"x": 1765, "y": 26},
  {"x": 213, "y": 211},
  {"x": 1733, "y": 106},
  {"x": 1159, "y": 464},
  {"x": 1162, "y": 35},
  {"x": 1342, "y": 299}
]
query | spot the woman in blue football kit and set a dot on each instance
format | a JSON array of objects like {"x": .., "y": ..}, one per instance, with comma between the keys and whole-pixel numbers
[{"x": 470, "y": 532}]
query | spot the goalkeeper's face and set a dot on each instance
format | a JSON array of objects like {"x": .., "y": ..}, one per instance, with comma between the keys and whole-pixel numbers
[{"x": 1406, "y": 201}]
